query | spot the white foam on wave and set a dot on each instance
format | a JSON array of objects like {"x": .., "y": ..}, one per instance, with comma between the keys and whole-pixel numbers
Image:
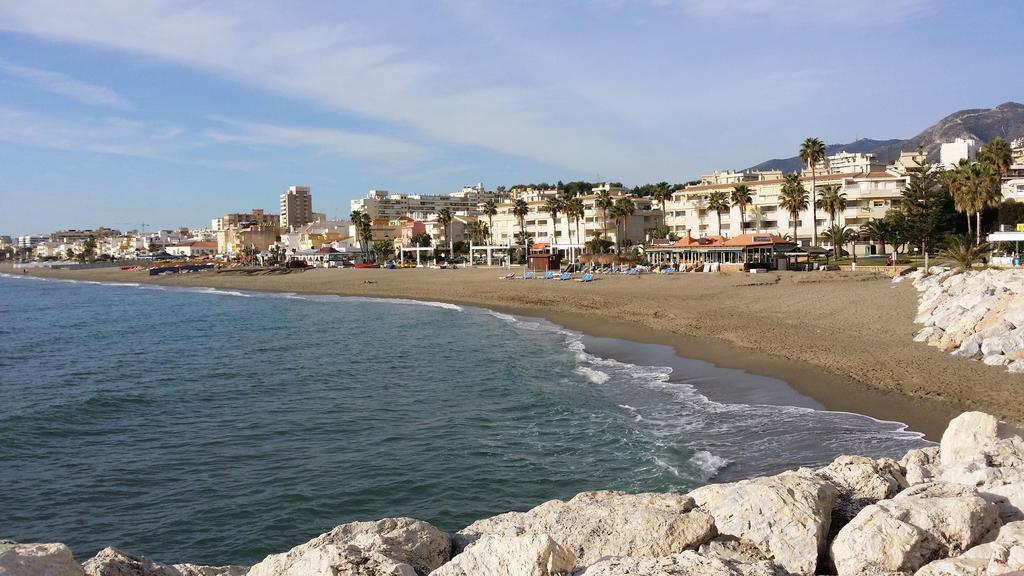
[
  {"x": 595, "y": 376},
  {"x": 708, "y": 463}
]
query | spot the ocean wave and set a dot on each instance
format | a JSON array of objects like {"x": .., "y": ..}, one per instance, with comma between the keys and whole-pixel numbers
[
  {"x": 595, "y": 376},
  {"x": 708, "y": 464}
]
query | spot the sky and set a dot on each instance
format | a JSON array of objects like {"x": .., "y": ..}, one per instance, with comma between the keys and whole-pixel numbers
[{"x": 173, "y": 112}]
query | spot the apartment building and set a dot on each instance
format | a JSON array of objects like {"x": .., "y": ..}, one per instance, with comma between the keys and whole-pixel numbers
[
  {"x": 381, "y": 204},
  {"x": 296, "y": 208},
  {"x": 868, "y": 195},
  {"x": 256, "y": 217},
  {"x": 951, "y": 153},
  {"x": 564, "y": 234},
  {"x": 845, "y": 163}
]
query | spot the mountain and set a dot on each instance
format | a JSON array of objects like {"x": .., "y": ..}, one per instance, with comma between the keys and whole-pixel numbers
[{"x": 1005, "y": 121}]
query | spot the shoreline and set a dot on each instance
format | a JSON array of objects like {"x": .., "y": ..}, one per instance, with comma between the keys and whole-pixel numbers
[{"x": 925, "y": 411}]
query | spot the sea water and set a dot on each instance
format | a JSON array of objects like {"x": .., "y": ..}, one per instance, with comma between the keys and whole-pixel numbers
[{"x": 215, "y": 426}]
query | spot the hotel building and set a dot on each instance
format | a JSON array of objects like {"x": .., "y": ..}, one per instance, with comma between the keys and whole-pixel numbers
[{"x": 296, "y": 208}]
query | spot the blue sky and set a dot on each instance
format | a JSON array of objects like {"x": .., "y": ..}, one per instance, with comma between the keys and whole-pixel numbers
[{"x": 173, "y": 112}]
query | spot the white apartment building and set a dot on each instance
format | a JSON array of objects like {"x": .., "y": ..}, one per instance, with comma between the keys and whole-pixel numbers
[
  {"x": 846, "y": 163},
  {"x": 296, "y": 207},
  {"x": 562, "y": 233},
  {"x": 953, "y": 152},
  {"x": 734, "y": 177},
  {"x": 381, "y": 204},
  {"x": 868, "y": 195}
]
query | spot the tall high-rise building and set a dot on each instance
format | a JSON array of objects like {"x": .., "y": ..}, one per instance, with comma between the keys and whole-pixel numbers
[{"x": 296, "y": 207}]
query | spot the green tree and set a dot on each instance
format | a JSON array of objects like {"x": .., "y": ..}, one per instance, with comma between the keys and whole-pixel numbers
[
  {"x": 70, "y": 253},
  {"x": 553, "y": 206},
  {"x": 604, "y": 203},
  {"x": 598, "y": 244},
  {"x": 575, "y": 210},
  {"x": 363, "y": 224},
  {"x": 793, "y": 199},
  {"x": 421, "y": 240},
  {"x": 833, "y": 201},
  {"x": 927, "y": 207},
  {"x": 963, "y": 253},
  {"x": 520, "y": 209},
  {"x": 812, "y": 151},
  {"x": 621, "y": 211},
  {"x": 274, "y": 257},
  {"x": 956, "y": 181},
  {"x": 444, "y": 218},
  {"x": 490, "y": 210},
  {"x": 741, "y": 198},
  {"x": 878, "y": 230},
  {"x": 153, "y": 247},
  {"x": 383, "y": 249},
  {"x": 88, "y": 249},
  {"x": 662, "y": 194},
  {"x": 839, "y": 236},
  {"x": 718, "y": 202},
  {"x": 998, "y": 154}
]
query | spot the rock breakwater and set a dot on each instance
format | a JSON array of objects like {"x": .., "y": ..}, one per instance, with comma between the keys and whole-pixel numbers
[
  {"x": 978, "y": 315},
  {"x": 953, "y": 509}
]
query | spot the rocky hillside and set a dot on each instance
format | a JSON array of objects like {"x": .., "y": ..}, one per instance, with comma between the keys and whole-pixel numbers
[
  {"x": 978, "y": 315},
  {"x": 981, "y": 124},
  {"x": 952, "y": 509}
]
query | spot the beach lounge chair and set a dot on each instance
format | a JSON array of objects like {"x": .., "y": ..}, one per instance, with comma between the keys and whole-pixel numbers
[
  {"x": 549, "y": 275},
  {"x": 565, "y": 276},
  {"x": 511, "y": 276},
  {"x": 632, "y": 271},
  {"x": 528, "y": 275},
  {"x": 669, "y": 271},
  {"x": 586, "y": 278}
]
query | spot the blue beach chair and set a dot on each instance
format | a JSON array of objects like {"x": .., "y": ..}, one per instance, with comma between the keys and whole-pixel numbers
[
  {"x": 528, "y": 275},
  {"x": 586, "y": 278},
  {"x": 565, "y": 276},
  {"x": 669, "y": 271},
  {"x": 549, "y": 275}
]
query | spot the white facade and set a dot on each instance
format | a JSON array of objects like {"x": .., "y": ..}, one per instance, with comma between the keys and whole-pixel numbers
[
  {"x": 953, "y": 152},
  {"x": 846, "y": 163},
  {"x": 381, "y": 204}
]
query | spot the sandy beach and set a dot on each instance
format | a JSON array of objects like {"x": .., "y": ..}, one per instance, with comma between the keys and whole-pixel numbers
[{"x": 843, "y": 338}]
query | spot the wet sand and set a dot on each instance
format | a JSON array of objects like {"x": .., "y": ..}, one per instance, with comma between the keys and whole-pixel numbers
[{"x": 844, "y": 339}]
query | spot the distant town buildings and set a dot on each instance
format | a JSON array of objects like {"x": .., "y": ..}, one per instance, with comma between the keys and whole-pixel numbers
[
  {"x": 296, "y": 208},
  {"x": 953, "y": 152},
  {"x": 381, "y": 204}
]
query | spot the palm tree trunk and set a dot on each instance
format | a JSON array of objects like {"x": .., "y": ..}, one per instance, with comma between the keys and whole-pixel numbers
[
  {"x": 719, "y": 214},
  {"x": 977, "y": 227},
  {"x": 967, "y": 213},
  {"x": 814, "y": 207}
]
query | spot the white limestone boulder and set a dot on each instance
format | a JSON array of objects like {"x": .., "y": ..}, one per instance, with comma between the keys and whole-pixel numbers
[
  {"x": 1003, "y": 555},
  {"x": 860, "y": 481},
  {"x": 786, "y": 516},
  {"x": 114, "y": 562},
  {"x": 500, "y": 555},
  {"x": 606, "y": 523},
  {"x": 37, "y": 560},
  {"x": 974, "y": 434},
  {"x": 920, "y": 465},
  {"x": 921, "y": 524},
  {"x": 685, "y": 564},
  {"x": 196, "y": 570},
  {"x": 391, "y": 547}
]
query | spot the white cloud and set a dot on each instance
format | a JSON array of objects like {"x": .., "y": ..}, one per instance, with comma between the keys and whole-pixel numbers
[
  {"x": 340, "y": 143},
  {"x": 63, "y": 85}
]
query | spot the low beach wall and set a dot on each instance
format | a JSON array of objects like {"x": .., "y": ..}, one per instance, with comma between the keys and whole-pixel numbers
[{"x": 951, "y": 509}]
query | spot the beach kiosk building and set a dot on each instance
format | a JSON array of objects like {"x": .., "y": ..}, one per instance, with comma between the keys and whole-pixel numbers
[{"x": 765, "y": 250}]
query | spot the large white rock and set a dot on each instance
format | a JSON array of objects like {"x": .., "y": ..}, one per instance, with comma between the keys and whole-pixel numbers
[
  {"x": 685, "y": 564},
  {"x": 391, "y": 547},
  {"x": 786, "y": 516},
  {"x": 859, "y": 482},
  {"x": 500, "y": 555},
  {"x": 921, "y": 524},
  {"x": 196, "y": 570},
  {"x": 1003, "y": 555},
  {"x": 920, "y": 465},
  {"x": 974, "y": 434},
  {"x": 114, "y": 562},
  {"x": 37, "y": 560},
  {"x": 597, "y": 524}
]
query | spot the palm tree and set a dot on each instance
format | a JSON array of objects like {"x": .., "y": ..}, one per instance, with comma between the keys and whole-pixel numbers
[
  {"x": 604, "y": 203},
  {"x": 956, "y": 180},
  {"x": 662, "y": 193},
  {"x": 553, "y": 205},
  {"x": 444, "y": 218},
  {"x": 812, "y": 151},
  {"x": 977, "y": 187},
  {"x": 962, "y": 252},
  {"x": 998, "y": 155},
  {"x": 621, "y": 211},
  {"x": 839, "y": 236},
  {"x": 718, "y": 202},
  {"x": 490, "y": 210},
  {"x": 833, "y": 201},
  {"x": 575, "y": 210},
  {"x": 878, "y": 229},
  {"x": 363, "y": 225},
  {"x": 520, "y": 209},
  {"x": 741, "y": 198},
  {"x": 793, "y": 198}
]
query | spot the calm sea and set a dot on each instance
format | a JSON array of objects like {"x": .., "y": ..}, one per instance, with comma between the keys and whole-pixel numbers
[{"x": 214, "y": 427}]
